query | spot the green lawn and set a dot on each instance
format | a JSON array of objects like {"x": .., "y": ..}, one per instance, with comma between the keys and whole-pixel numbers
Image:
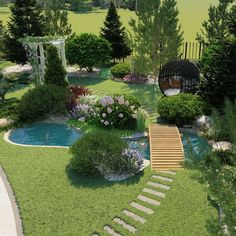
[
  {"x": 54, "y": 201},
  {"x": 192, "y": 14}
]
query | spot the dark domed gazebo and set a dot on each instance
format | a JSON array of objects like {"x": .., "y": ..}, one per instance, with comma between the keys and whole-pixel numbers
[{"x": 180, "y": 76}]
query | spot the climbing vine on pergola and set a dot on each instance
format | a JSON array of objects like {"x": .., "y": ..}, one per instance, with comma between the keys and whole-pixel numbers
[{"x": 36, "y": 53}]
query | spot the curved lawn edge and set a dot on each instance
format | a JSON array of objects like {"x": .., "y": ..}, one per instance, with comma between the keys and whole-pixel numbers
[{"x": 14, "y": 206}]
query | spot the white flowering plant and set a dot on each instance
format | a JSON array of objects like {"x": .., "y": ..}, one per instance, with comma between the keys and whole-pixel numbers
[{"x": 115, "y": 111}]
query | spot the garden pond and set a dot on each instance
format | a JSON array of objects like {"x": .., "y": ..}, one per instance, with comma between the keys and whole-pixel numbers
[{"x": 61, "y": 135}]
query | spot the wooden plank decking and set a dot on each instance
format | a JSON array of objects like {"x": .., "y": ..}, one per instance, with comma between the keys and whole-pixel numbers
[{"x": 166, "y": 147}]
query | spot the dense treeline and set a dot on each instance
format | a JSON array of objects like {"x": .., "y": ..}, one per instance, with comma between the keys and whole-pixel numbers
[{"x": 83, "y": 5}]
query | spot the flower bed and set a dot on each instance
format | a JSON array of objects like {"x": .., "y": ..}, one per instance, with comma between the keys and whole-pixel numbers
[{"x": 115, "y": 111}]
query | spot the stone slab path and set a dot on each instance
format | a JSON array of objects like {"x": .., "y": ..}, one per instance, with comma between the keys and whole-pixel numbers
[
  {"x": 10, "y": 223},
  {"x": 144, "y": 204}
]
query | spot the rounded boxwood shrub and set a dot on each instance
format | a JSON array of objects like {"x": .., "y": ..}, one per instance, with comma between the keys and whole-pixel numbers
[
  {"x": 120, "y": 70},
  {"x": 180, "y": 109},
  {"x": 43, "y": 101},
  {"x": 97, "y": 150}
]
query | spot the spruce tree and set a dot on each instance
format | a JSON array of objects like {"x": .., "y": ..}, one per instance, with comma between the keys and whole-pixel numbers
[
  {"x": 26, "y": 20},
  {"x": 215, "y": 28},
  {"x": 156, "y": 35},
  {"x": 171, "y": 35},
  {"x": 55, "y": 72},
  {"x": 57, "y": 19},
  {"x": 115, "y": 34}
]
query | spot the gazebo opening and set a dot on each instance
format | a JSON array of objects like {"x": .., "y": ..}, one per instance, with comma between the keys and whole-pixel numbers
[{"x": 180, "y": 76}]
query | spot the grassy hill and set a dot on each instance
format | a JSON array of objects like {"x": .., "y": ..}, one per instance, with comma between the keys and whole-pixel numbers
[{"x": 192, "y": 14}]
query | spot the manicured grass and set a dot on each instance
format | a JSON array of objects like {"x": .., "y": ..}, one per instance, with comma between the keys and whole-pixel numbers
[
  {"x": 54, "y": 201},
  {"x": 147, "y": 94},
  {"x": 192, "y": 14}
]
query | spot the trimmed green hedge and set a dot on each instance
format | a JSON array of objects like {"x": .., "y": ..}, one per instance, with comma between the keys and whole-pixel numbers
[
  {"x": 180, "y": 109},
  {"x": 120, "y": 70}
]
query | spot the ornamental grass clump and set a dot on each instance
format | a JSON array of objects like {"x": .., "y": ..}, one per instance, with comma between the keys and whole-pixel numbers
[{"x": 142, "y": 117}]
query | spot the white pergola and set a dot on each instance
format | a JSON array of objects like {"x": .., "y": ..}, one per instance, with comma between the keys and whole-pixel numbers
[{"x": 37, "y": 54}]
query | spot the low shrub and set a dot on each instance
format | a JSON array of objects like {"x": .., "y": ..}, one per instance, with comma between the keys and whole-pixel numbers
[
  {"x": 180, "y": 109},
  {"x": 76, "y": 93},
  {"x": 97, "y": 149},
  {"x": 43, "y": 101},
  {"x": 120, "y": 70},
  {"x": 79, "y": 91},
  {"x": 135, "y": 79}
]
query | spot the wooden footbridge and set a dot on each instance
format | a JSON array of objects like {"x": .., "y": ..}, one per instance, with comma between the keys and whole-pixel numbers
[{"x": 166, "y": 147}]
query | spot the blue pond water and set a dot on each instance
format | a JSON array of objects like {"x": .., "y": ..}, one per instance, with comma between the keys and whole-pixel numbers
[
  {"x": 49, "y": 134},
  {"x": 191, "y": 143},
  {"x": 45, "y": 134}
]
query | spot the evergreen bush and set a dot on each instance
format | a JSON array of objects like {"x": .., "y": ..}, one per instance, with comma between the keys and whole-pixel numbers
[
  {"x": 180, "y": 109},
  {"x": 43, "y": 101},
  {"x": 55, "y": 72},
  {"x": 120, "y": 70}
]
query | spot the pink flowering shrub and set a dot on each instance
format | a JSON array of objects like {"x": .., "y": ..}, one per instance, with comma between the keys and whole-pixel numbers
[
  {"x": 115, "y": 111},
  {"x": 83, "y": 112},
  {"x": 134, "y": 79}
]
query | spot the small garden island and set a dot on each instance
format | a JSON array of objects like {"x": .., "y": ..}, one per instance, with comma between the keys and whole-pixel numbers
[{"x": 121, "y": 132}]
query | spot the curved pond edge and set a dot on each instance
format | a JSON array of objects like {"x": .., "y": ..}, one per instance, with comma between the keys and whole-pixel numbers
[
  {"x": 8, "y": 133},
  {"x": 13, "y": 202}
]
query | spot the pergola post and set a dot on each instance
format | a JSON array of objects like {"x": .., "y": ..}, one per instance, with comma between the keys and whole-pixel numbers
[
  {"x": 36, "y": 54},
  {"x": 63, "y": 55},
  {"x": 42, "y": 62}
]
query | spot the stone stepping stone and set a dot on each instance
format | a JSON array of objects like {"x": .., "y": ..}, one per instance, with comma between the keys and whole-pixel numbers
[
  {"x": 125, "y": 225},
  {"x": 149, "y": 200},
  {"x": 142, "y": 208},
  {"x": 168, "y": 172},
  {"x": 157, "y": 185},
  {"x": 153, "y": 192},
  {"x": 134, "y": 216},
  {"x": 111, "y": 231},
  {"x": 162, "y": 178}
]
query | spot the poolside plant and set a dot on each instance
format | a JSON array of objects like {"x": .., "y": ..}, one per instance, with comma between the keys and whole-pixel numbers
[
  {"x": 95, "y": 149},
  {"x": 105, "y": 153},
  {"x": 43, "y": 101},
  {"x": 142, "y": 117}
]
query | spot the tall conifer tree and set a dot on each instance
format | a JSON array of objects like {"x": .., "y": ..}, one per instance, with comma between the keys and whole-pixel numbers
[
  {"x": 215, "y": 28},
  {"x": 115, "y": 34},
  {"x": 26, "y": 20},
  {"x": 57, "y": 19},
  {"x": 156, "y": 36}
]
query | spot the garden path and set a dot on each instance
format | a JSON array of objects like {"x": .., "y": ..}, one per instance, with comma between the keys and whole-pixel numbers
[{"x": 142, "y": 207}]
